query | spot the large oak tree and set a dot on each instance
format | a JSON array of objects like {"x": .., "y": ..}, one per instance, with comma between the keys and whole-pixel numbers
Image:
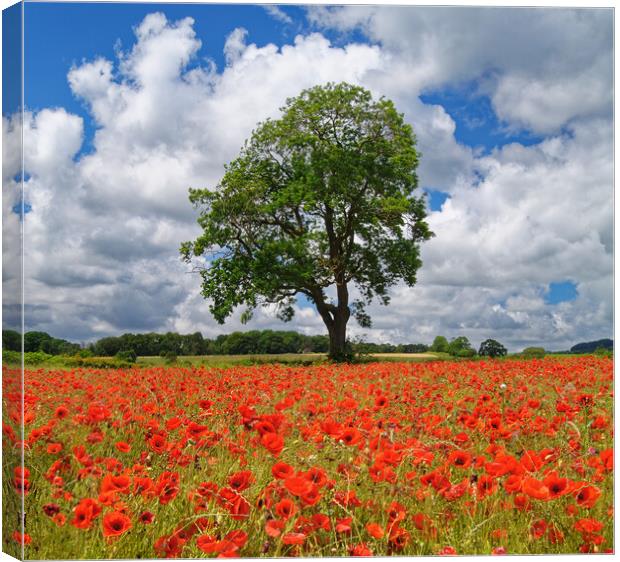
[{"x": 318, "y": 201}]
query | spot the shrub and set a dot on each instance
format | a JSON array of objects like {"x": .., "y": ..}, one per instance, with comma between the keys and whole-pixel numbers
[
  {"x": 127, "y": 355},
  {"x": 11, "y": 357},
  {"x": 533, "y": 352},
  {"x": 170, "y": 357}
]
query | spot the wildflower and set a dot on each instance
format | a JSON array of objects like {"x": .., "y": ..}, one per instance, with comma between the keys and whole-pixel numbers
[{"x": 115, "y": 524}]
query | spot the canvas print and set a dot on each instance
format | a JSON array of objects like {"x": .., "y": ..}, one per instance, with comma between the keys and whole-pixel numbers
[{"x": 306, "y": 280}]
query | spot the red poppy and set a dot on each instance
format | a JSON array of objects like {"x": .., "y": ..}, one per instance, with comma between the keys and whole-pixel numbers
[
  {"x": 273, "y": 443},
  {"x": 344, "y": 525},
  {"x": 375, "y": 530},
  {"x": 241, "y": 480},
  {"x": 281, "y": 470},
  {"x": 486, "y": 486},
  {"x": 361, "y": 550},
  {"x": 399, "y": 537},
  {"x": 298, "y": 485},
  {"x": 115, "y": 524},
  {"x": 158, "y": 443},
  {"x": 312, "y": 497},
  {"x": 293, "y": 538},
  {"x": 61, "y": 412},
  {"x": 285, "y": 508},
  {"x": 321, "y": 521},
  {"x": 207, "y": 544},
  {"x": 557, "y": 486},
  {"x": 123, "y": 447},
  {"x": 274, "y": 527},
  {"x": 535, "y": 489},
  {"x": 587, "y": 495},
  {"x": 538, "y": 528},
  {"x": 114, "y": 483},
  {"x": 146, "y": 517},
  {"x": 350, "y": 436},
  {"x": 460, "y": 459},
  {"x": 22, "y": 538},
  {"x": 85, "y": 511}
]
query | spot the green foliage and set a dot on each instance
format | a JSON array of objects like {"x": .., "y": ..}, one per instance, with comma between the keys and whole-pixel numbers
[
  {"x": 460, "y": 347},
  {"x": 41, "y": 341},
  {"x": 170, "y": 357},
  {"x": 492, "y": 348},
  {"x": 322, "y": 197},
  {"x": 127, "y": 355},
  {"x": 604, "y": 352},
  {"x": 11, "y": 340},
  {"x": 440, "y": 344},
  {"x": 533, "y": 352},
  {"x": 10, "y": 357}
]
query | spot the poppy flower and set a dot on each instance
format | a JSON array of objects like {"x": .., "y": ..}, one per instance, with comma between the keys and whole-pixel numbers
[
  {"x": 24, "y": 538},
  {"x": 538, "y": 528},
  {"x": 281, "y": 470},
  {"x": 298, "y": 485},
  {"x": 115, "y": 524},
  {"x": 460, "y": 459},
  {"x": 158, "y": 443},
  {"x": 84, "y": 513},
  {"x": 447, "y": 551},
  {"x": 207, "y": 543},
  {"x": 293, "y": 538},
  {"x": 361, "y": 550},
  {"x": 557, "y": 486},
  {"x": 321, "y": 521},
  {"x": 399, "y": 538},
  {"x": 241, "y": 480},
  {"x": 274, "y": 527},
  {"x": 61, "y": 412},
  {"x": 486, "y": 486},
  {"x": 51, "y": 509},
  {"x": 273, "y": 443},
  {"x": 54, "y": 448},
  {"x": 115, "y": 483},
  {"x": 146, "y": 517},
  {"x": 237, "y": 537},
  {"x": 123, "y": 447},
  {"x": 285, "y": 508},
  {"x": 535, "y": 489},
  {"x": 350, "y": 436},
  {"x": 344, "y": 525},
  {"x": 375, "y": 530},
  {"x": 587, "y": 496}
]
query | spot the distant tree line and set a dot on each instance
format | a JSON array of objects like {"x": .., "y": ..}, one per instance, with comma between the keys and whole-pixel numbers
[
  {"x": 38, "y": 341},
  {"x": 254, "y": 342},
  {"x": 592, "y": 346}
]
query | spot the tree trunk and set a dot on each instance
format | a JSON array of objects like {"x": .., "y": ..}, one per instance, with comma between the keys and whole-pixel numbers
[
  {"x": 338, "y": 349},
  {"x": 335, "y": 318}
]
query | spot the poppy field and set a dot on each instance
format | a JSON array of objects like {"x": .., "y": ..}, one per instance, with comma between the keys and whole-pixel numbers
[{"x": 470, "y": 457}]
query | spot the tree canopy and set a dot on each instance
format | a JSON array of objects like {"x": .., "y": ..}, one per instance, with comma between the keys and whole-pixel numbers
[
  {"x": 492, "y": 348},
  {"x": 318, "y": 201}
]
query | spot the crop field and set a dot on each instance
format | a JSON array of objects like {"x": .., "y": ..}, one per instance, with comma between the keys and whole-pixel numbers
[{"x": 439, "y": 457}]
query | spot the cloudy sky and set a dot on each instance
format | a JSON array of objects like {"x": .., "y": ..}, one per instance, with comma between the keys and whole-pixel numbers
[{"x": 127, "y": 106}]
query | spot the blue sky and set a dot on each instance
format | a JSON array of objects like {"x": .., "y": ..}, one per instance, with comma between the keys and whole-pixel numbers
[
  {"x": 59, "y": 37},
  {"x": 512, "y": 110}
]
